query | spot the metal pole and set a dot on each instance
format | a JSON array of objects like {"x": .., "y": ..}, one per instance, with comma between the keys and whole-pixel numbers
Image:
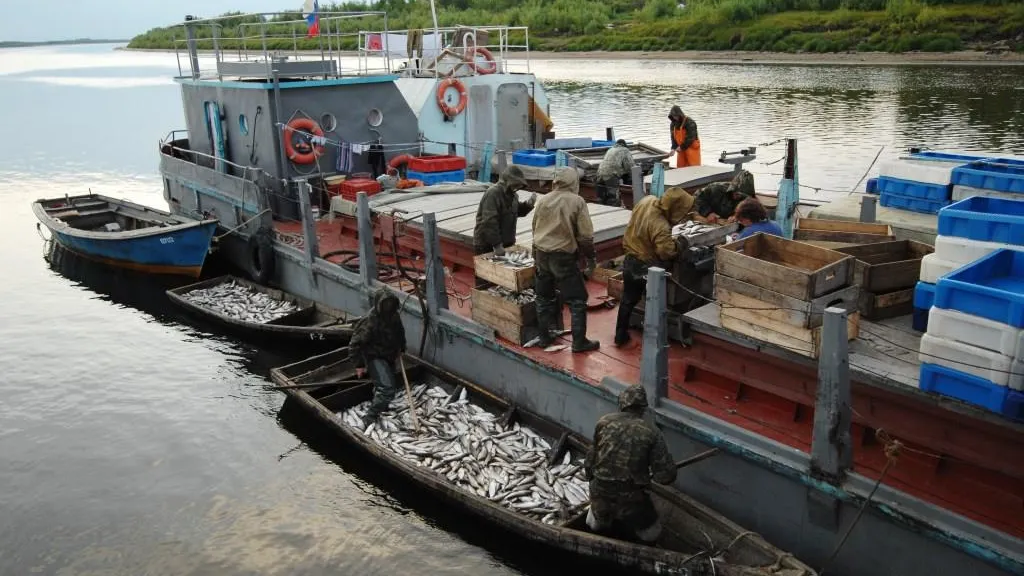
[
  {"x": 193, "y": 56},
  {"x": 215, "y": 29},
  {"x": 308, "y": 222},
  {"x": 867, "y": 208},
  {"x": 658, "y": 180},
  {"x": 789, "y": 191},
  {"x": 367, "y": 257},
  {"x": 654, "y": 358},
  {"x": 437, "y": 296},
  {"x": 279, "y": 132},
  {"x": 638, "y": 185},
  {"x": 485, "y": 163},
  {"x": 831, "y": 449}
]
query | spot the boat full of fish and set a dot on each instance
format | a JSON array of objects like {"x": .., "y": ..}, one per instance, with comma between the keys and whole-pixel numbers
[
  {"x": 241, "y": 302},
  {"x": 515, "y": 259},
  {"x": 523, "y": 297},
  {"x": 469, "y": 447}
]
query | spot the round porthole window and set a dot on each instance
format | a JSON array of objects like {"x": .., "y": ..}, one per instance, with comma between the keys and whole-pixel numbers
[
  {"x": 243, "y": 124},
  {"x": 328, "y": 122},
  {"x": 375, "y": 117}
]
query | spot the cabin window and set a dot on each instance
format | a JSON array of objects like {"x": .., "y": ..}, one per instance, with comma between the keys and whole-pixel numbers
[
  {"x": 375, "y": 117},
  {"x": 243, "y": 124},
  {"x": 328, "y": 122}
]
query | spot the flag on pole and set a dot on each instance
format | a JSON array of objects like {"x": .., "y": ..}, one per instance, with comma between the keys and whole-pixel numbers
[{"x": 311, "y": 12}]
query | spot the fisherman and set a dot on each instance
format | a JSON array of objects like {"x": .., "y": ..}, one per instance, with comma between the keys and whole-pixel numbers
[
  {"x": 754, "y": 218},
  {"x": 377, "y": 342},
  {"x": 648, "y": 242},
  {"x": 685, "y": 142},
  {"x": 496, "y": 216},
  {"x": 626, "y": 454},
  {"x": 562, "y": 231},
  {"x": 616, "y": 167},
  {"x": 718, "y": 201}
]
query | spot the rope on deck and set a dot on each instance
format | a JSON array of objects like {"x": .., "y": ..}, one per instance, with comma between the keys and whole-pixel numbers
[{"x": 242, "y": 225}]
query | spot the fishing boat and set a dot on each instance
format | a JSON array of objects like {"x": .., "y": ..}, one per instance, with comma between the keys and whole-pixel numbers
[
  {"x": 261, "y": 314},
  {"x": 127, "y": 235},
  {"x": 695, "y": 539}
]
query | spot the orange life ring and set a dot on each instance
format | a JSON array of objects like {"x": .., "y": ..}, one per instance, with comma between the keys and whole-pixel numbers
[
  {"x": 307, "y": 126},
  {"x": 442, "y": 88},
  {"x": 399, "y": 160},
  {"x": 471, "y": 57}
]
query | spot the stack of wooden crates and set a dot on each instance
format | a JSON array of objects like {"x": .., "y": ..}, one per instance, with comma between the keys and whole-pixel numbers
[
  {"x": 514, "y": 321},
  {"x": 776, "y": 290}
]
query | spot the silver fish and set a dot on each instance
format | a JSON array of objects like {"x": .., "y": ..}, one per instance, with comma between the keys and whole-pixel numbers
[{"x": 241, "y": 302}]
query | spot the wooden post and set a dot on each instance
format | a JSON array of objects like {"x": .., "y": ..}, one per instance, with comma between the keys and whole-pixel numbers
[
  {"x": 367, "y": 256},
  {"x": 867, "y": 208},
  {"x": 437, "y": 296},
  {"x": 658, "y": 180},
  {"x": 561, "y": 159},
  {"x": 831, "y": 449},
  {"x": 485, "y": 163},
  {"x": 654, "y": 358},
  {"x": 638, "y": 185},
  {"x": 609, "y": 133},
  {"x": 312, "y": 247},
  {"x": 789, "y": 191}
]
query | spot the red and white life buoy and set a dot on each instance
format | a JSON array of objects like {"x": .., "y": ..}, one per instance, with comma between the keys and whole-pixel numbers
[
  {"x": 442, "y": 103},
  {"x": 302, "y": 152},
  {"x": 490, "y": 67}
]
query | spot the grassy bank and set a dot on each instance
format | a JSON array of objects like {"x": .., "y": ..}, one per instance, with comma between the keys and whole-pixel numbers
[{"x": 793, "y": 26}]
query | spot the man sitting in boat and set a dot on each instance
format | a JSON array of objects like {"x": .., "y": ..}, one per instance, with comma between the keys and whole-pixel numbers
[
  {"x": 377, "y": 340},
  {"x": 616, "y": 167},
  {"x": 718, "y": 201},
  {"x": 754, "y": 218},
  {"x": 499, "y": 208},
  {"x": 685, "y": 141},
  {"x": 648, "y": 242},
  {"x": 627, "y": 453}
]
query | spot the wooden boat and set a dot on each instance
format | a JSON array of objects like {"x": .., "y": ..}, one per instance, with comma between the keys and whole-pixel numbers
[
  {"x": 127, "y": 235},
  {"x": 311, "y": 322},
  {"x": 318, "y": 385}
]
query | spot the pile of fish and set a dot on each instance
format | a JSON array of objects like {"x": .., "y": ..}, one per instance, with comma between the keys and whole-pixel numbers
[
  {"x": 518, "y": 259},
  {"x": 691, "y": 228},
  {"x": 241, "y": 302},
  {"x": 468, "y": 446},
  {"x": 524, "y": 297}
]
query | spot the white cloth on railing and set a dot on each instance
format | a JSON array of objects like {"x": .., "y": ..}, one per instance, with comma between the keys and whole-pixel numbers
[{"x": 396, "y": 44}]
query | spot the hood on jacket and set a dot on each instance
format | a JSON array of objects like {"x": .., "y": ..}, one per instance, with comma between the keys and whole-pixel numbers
[
  {"x": 566, "y": 180},
  {"x": 385, "y": 303},
  {"x": 676, "y": 203},
  {"x": 743, "y": 184},
  {"x": 675, "y": 114},
  {"x": 513, "y": 177},
  {"x": 633, "y": 399}
]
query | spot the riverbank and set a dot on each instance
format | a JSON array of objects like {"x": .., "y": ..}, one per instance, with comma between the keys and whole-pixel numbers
[{"x": 963, "y": 57}]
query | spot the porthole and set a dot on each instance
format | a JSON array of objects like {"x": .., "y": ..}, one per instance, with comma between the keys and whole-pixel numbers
[
  {"x": 328, "y": 122},
  {"x": 375, "y": 117}
]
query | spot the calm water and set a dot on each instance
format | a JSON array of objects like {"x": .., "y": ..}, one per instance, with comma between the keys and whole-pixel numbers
[{"x": 133, "y": 444}]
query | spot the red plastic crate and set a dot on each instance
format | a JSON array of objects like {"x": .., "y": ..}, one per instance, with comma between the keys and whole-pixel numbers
[
  {"x": 352, "y": 186},
  {"x": 437, "y": 164}
]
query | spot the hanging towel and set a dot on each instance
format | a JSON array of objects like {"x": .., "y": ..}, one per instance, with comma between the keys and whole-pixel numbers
[
  {"x": 358, "y": 149},
  {"x": 345, "y": 158}
]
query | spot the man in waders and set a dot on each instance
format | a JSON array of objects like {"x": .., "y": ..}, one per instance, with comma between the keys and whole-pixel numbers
[
  {"x": 685, "y": 141},
  {"x": 377, "y": 341}
]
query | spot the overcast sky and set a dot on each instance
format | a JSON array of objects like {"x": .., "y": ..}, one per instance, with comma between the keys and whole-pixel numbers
[{"x": 66, "y": 19}]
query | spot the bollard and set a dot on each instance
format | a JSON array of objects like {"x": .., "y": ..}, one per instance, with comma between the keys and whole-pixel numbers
[
  {"x": 867, "y": 208},
  {"x": 437, "y": 296},
  {"x": 638, "y": 185},
  {"x": 831, "y": 449},
  {"x": 654, "y": 357},
  {"x": 367, "y": 256}
]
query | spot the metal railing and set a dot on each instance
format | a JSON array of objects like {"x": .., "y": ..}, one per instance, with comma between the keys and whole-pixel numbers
[{"x": 452, "y": 51}]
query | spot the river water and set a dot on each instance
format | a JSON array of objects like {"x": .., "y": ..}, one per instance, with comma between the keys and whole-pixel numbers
[{"x": 132, "y": 443}]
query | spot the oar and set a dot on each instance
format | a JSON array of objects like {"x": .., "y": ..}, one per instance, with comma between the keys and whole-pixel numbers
[
  {"x": 408, "y": 395},
  {"x": 319, "y": 384}
]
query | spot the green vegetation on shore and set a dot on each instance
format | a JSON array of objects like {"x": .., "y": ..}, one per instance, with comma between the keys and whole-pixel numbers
[{"x": 653, "y": 25}]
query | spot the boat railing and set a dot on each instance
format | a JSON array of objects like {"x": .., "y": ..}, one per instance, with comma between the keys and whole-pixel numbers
[
  {"x": 280, "y": 44},
  {"x": 176, "y": 145}
]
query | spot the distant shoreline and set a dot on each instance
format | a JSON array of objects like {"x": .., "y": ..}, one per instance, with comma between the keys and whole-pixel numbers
[
  {"x": 19, "y": 44},
  {"x": 961, "y": 58}
]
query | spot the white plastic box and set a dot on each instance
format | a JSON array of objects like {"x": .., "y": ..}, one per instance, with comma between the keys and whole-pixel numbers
[
  {"x": 940, "y": 173},
  {"x": 964, "y": 250},
  {"x": 933, "y": 267},
  {"x": 991, "y": 366},
  {"x": 961, "y": 192},
  {"x": 977, "y": 331}
]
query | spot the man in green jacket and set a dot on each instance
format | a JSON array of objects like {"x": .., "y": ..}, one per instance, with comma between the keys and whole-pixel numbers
[{"x": 499, "y": 209}]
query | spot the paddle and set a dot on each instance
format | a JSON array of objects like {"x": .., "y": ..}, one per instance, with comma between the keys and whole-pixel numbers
[{"x": 408, "y": 395}]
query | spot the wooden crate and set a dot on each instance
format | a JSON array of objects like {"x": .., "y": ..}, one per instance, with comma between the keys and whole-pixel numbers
[
  {"x": 782, "y": 308},
  {"x": 615, "y": 286},
  {"x": 887, "y": 266},
  {"x": 837, "y": 233},
  {"x": 515, "y": 279},
  {"x": 795, "y": 269},
  {"x": 804, "y": 341},
  {"x": 608, "y": 270},
  {"x": 512, "y": 321},
  {"x": 874, "y": 306}
]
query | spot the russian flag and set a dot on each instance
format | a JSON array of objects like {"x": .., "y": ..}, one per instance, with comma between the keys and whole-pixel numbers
[{"x": 311, "y": 12}]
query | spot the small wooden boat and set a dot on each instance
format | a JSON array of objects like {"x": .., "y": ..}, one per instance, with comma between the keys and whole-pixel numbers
[
  {"x": 127, "y": 235},
  {"x": 695, "y": 539},
  {"x": 258, "y": 313}
]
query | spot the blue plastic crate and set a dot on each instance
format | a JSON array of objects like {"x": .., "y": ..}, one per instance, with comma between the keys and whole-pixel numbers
[
  {"x": 924, "y": 295},
  {"x": 1015, "y": 405},
  {"x": 984, "y": 218},
  {"x": 919, "y": 320},
  {"x": 910, "y": 203},
  {"x": 1001, "y": 175},
  {"x": 967, "y": 387},
  {"x": 991, "y": 287},
  {"x": 602, "y": 143},
  {"x": 872, "y": 186},
  {"x": 533, "y": 158},
  {"x": 431, "y": 178},
  {"x": 913, "y": 189}
]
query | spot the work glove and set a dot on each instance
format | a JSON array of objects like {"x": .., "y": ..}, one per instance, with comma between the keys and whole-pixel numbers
[
  {"x": 499, "y": 250},
  {"x": 591, "y": 266}
]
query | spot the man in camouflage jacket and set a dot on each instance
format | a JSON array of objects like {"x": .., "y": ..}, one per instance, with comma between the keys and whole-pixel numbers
[
  {"x": 718, "y": 201},
  {"x": 626, "y": 455},
  {"x": 377, "y": 341},
  {"x": 495, "y": 227}
]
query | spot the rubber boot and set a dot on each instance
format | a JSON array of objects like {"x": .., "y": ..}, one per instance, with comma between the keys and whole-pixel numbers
[{"x": 578, "y": 314}]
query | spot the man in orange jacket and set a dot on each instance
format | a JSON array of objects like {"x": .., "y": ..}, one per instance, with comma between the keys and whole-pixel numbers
[{"x": 685, "y": 142}]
